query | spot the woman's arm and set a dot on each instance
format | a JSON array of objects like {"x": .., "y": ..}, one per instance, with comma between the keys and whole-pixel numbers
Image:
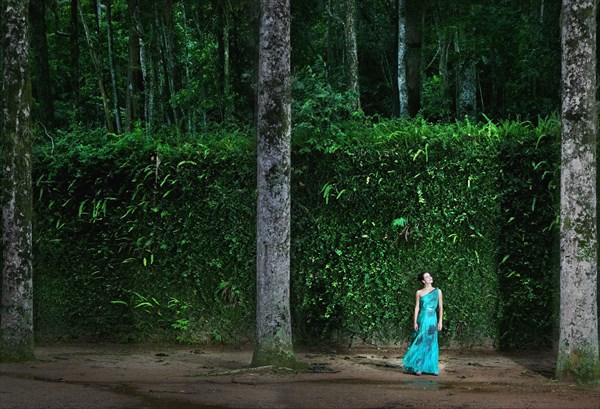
[{"x": 440, "y": 310}]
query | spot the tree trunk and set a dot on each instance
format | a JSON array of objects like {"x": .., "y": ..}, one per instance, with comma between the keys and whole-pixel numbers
[
  {"x": 16, "y": 320},
  {"x": 169, "y": 59},
  {"x": 578, "y": 339},
  {"x": 96, "y": 63},
  {"x": 157, "y": 92},
  {"x": 443, "y": 71},
  {"x": 413, "y": 55},
  {"x": 135, "y": 80},
  {"x": 149, "y": 51},
  {"x": 273, "y": 319},
  {"x": 98, "y": 15},
  {"x": 113, "y": 74},
  {"x": 147, "y": 63},
  {"x": 224, "y": 55},
  {"x": 467, "y": 88},
  {"x": 74, "y": 40},
  {"x": 328, "y": 37},
  {"x": 39, "y": 43},
  {"x": 189, "y": 112},
  {"x": 401, "y": 53},
  {"x": 227, "y": 92},
  {"x": 352, "y": 51}
]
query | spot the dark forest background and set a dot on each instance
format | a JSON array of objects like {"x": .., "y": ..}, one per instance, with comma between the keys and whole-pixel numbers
[{"x": 192, "y": 64}]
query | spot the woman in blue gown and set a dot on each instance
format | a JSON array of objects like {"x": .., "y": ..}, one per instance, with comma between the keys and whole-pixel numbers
[{"x": 422, "y": 354}]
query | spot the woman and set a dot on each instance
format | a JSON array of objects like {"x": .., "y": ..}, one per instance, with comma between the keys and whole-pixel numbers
[{"x": 422, "y": 354}]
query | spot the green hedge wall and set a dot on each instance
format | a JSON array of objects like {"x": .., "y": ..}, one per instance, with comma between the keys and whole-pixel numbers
[{"x": 152, "y": 237}]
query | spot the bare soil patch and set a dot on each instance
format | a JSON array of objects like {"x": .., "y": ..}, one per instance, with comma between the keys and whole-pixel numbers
[{"x": 125, "y": 376}]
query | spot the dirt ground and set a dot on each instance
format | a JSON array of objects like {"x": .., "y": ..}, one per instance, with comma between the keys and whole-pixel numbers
[{"x": 86, "y": 376}]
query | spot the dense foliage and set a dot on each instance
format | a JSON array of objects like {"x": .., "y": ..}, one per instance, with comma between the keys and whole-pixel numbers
[
  {"x": 144, "y": 235},
  {"x": 189, "y": 64}
]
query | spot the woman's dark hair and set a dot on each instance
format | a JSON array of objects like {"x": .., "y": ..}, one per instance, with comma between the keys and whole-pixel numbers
[{"x": 420, "y": 276}]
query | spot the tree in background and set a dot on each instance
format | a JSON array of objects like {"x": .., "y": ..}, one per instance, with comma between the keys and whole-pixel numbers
[
  {"x": 39, "y": 43},
  {"x": 93, "y": 47},
  {"x": 113, "y": 73},
  {"x": 16, "y": 320},
  {"x": 409, "y": 56},
  {"x": 273, "y": 319},
  {"x": 401, "y": 76},
  {"x": 413, "y": 40},
  {"x": 73, "y": 83},
  {"x": 578, "y": 343},
  {"x": 135, "y": 80},
  {"x": 224, "y": 42},
  {"x": 352, "y": 51}
]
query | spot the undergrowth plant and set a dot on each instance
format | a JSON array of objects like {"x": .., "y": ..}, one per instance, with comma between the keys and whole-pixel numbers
[{"x": 163, "y": 225}]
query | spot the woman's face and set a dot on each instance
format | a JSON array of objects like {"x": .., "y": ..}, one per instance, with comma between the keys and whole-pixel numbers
[{"x": 427, "y": 278}]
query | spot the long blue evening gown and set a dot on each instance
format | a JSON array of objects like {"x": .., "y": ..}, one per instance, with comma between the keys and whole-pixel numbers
[{"x": 422, "y": 354}]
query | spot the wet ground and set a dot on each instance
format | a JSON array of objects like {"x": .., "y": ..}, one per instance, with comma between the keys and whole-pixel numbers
[{"x": 167, "y": 377}]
